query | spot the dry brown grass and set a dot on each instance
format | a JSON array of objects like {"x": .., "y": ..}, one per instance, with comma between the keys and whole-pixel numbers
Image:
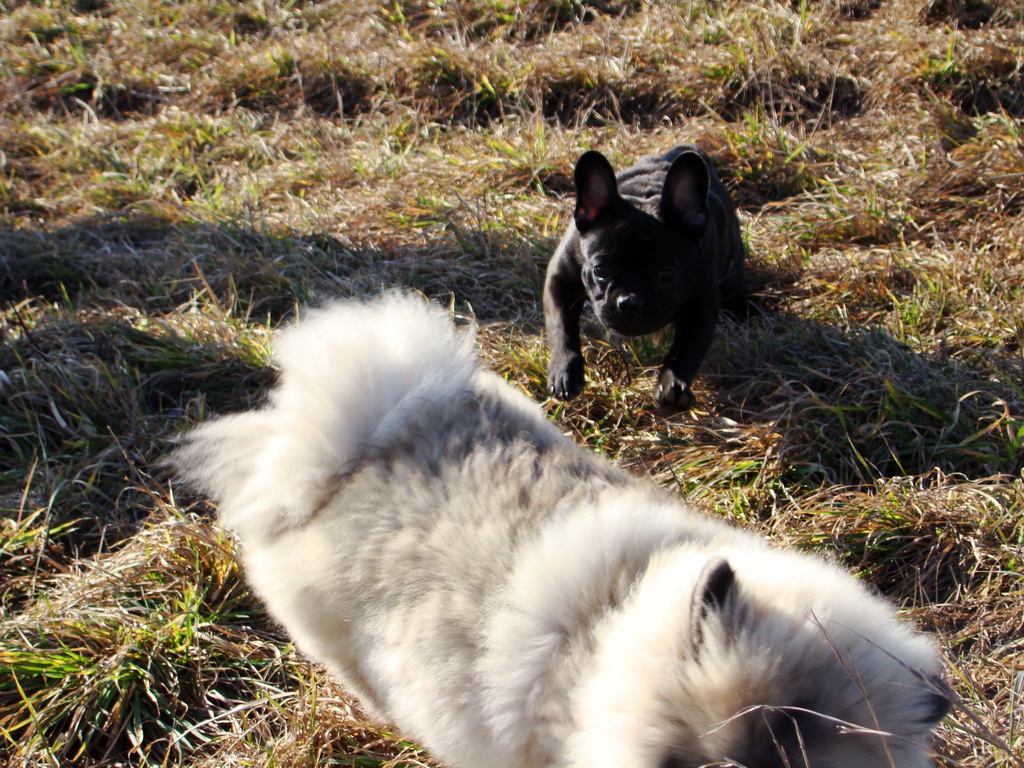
[{"x": 176, "y": 178}]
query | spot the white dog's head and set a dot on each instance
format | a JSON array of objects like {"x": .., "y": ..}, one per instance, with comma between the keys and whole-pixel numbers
[{"x": 757, "y": 659}]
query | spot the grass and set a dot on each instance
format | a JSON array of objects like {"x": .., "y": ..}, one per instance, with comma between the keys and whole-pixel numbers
[{"x": 176, "y": 179}]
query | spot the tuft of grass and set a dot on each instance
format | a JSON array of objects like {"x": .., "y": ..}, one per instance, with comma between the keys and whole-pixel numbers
[
  {"x": 478, "y": 21},
  {"x": 131, "y": 674}
]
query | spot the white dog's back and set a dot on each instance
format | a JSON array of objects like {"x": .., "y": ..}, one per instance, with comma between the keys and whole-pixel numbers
[
  {"x": 514, "y": 601},
  {"x": 350, "y": 372}
]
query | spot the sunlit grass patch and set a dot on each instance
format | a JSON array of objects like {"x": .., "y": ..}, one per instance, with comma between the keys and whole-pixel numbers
[
  {"x": 764, "y": 161},
  {"x": 935, "y": 537},
  {"x": 129, "y": 653}
]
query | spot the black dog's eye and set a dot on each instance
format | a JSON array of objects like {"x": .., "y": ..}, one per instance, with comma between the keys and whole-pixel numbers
[
  {"x": 666, "y": 275},
  {"x": 601, "y": 272}
]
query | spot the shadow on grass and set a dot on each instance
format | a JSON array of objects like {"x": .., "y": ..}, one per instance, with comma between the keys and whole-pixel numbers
[
  {"x": 906, "y": 464},
  {"x": 153, "y": 264},
  {"x": 856, "y": 405}
]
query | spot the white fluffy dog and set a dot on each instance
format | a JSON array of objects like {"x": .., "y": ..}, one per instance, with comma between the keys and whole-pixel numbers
[{"x": 513, "y": 601}]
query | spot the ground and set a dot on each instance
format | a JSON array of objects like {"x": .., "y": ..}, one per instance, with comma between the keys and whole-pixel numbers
[{"x": 179, "y": 178}]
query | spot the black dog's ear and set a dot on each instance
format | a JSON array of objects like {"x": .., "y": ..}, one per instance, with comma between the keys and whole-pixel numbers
[
  {"x": 596, "y": 190},
  {"x": 684, "y": 200}
]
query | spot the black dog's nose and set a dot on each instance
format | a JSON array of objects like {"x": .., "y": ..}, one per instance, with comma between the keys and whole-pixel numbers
[{"x": 628, "y": 305}]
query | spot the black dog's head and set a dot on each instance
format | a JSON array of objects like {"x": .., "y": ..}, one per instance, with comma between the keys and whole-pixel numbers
[{"x": 637, "y": 263}]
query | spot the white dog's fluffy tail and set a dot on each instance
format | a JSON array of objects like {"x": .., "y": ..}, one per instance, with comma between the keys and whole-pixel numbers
[{"x": 349, "y": 372}]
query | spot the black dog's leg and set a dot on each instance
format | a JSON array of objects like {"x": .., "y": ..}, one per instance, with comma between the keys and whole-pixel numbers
[
  {"x": 563, "y": 304},
  {"x": 693, "y": 334}
]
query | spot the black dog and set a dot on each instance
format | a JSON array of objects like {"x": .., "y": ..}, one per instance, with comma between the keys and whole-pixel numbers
[{"x": 660, "y": 244}]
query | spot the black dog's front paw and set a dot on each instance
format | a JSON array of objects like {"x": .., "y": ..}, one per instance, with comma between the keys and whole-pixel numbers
[
  {"x": 673, "y": 394},
  {"x": 565, "y": 376}
]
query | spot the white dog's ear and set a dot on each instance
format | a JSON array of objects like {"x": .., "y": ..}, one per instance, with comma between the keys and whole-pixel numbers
[{"x": 713, "y": 597}]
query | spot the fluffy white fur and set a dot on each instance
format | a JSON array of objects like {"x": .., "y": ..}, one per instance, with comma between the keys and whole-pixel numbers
[{"x": 512, "y": 601}]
